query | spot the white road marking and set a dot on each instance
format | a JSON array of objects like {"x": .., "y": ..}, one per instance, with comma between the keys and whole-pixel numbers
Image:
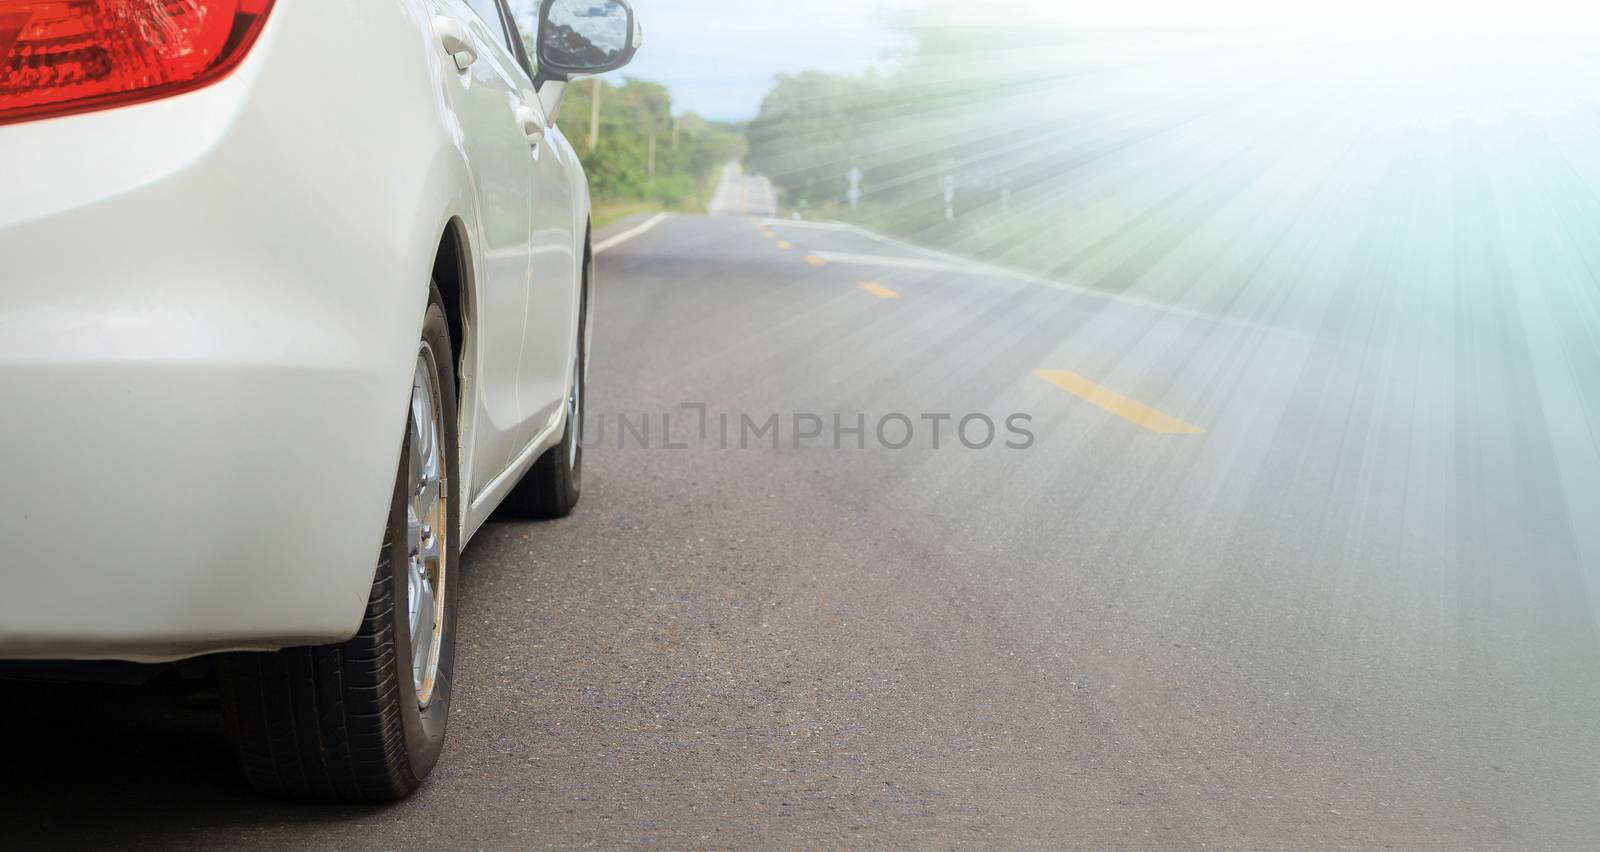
[
  {"x": 623, "y": 237},
  {"x": 952, "y": 260},
  {"x": 802, "y": 223},
  {"x": 893, "y": 262},
  {"x": 938, "y": 261}
]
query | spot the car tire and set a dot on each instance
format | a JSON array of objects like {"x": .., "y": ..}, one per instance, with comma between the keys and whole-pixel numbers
[
  {"x": 551, "y": 488},
  {"x": 365, "y": 720}
]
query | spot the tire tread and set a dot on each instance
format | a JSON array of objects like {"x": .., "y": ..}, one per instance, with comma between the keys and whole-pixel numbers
[
  {"x": 329, "y": 721},
  {"x": 321, "y": 722}
]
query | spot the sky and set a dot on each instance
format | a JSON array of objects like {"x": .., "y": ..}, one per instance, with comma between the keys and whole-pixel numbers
[{"x": 718, "y": 58}]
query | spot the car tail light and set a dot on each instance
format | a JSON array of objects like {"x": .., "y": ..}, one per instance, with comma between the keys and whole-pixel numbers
[{"x": 60, "y": 56}]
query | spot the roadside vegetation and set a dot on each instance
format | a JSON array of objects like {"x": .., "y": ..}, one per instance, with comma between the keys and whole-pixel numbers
[
  {"x": 640, "y": 157},
  {"x": 970, "y": 140},
  {"x": 942, "y": 149}
]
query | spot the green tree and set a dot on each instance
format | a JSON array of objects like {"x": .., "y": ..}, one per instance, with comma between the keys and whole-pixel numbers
[{"x": 637, "y": 129}]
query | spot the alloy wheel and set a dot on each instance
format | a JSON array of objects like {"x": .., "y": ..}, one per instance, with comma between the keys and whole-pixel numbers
[{"x": 427, "y": 525}]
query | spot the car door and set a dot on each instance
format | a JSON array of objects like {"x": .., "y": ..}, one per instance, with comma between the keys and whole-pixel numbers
[
  {"x": 552, "y": 324},
  {"x": 486, "y": 97},
  {"x": 553, "y": 315}
]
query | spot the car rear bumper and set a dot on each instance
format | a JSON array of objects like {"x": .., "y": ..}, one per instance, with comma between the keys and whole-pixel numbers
[
  {"x": 156, "y": 510},
  {"x": 208, "y": 323}
]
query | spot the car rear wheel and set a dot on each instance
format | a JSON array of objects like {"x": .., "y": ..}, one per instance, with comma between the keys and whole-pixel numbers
[{"x": 365, "y": 719}]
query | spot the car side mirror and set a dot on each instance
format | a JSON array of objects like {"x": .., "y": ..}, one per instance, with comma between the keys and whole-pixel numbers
[{"x": 585, "y": 37}]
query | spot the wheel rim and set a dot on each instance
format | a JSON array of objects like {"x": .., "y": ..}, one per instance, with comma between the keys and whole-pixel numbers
[
  {"x": 427, "y": 526},
  {"x": 575, "y": 414}
]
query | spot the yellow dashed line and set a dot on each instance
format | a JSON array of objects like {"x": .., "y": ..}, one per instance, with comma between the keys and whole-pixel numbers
[
  {"x": 785, "y": 245},
  {"x": 815, "y": 261},
  {"x": 769, "y": 235},
  {"x": 879, "y": 290},
  {"x": 1116, "y": 403}
]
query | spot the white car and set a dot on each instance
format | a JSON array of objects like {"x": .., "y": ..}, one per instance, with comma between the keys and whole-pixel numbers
[{"x": 295, "y": 295}]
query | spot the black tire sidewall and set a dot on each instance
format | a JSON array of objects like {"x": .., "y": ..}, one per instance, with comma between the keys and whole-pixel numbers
[
  {"x": 425, "y": 727},
  {"x": 581, "y": 376}
]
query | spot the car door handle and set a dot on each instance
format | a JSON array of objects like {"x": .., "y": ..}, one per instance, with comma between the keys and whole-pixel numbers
[
  {"x": 532, "y": 124},
  {"x": 453, "y": 38}
]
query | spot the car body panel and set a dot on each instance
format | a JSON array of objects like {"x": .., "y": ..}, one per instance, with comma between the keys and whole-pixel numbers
[
  {"x": 209, "y": 313},
  {"x": 484, "y": 98}
]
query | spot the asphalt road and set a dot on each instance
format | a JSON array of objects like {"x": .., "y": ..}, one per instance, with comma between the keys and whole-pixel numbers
[
  {"x": 740, "y": 193},
  {"x": 1254, "y": 584}
]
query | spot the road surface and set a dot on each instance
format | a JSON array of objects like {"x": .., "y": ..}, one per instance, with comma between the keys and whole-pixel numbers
[
  {"x": 1251, "y": 586},
  {"x": 740, "y": 193}
]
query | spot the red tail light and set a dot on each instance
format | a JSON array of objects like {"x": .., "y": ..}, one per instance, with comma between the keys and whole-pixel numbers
[{"x": 59, "y": 56}]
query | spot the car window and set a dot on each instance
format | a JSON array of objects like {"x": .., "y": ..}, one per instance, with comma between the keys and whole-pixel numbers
[
  {"x": 526, "y": 14},
  {"x": 524, "y": 29},
  {"x": 525, "y": 17},
  {"x": 489, "y": 11}
]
